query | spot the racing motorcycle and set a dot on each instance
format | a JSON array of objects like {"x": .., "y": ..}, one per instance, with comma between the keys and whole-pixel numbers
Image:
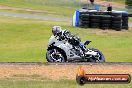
[{"x": 69, "y": 48}]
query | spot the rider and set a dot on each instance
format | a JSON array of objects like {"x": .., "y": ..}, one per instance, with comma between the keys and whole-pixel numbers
[
  {"x": 59, "y": 33},
  {"x": 56, "y": 30}
]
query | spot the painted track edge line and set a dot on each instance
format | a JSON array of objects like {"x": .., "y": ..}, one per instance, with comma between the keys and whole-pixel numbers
[{"x": 75, "y": 63}]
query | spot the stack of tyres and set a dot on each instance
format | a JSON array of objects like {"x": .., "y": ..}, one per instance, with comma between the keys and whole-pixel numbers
[
  {"x": 116, "y": 21},
  {"x": 84, "y": 20},
  {"x": 94, "y": 21},
  {"x": 124, "y": 21},
  {"x": 105, "y": 22}
]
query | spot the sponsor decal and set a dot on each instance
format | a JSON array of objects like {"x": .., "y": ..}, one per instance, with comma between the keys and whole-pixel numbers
[{"x": 83, "y": 78}]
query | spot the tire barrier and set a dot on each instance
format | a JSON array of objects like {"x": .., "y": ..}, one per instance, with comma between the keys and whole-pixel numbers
[{"x": 116, "y": 20}]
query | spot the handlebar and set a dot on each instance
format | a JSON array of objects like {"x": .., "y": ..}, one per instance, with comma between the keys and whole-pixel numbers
[{"x": 67, "y": 36}]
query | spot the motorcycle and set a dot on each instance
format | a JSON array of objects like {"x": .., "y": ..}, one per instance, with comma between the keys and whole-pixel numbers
[{"x": 69, "y": 48}]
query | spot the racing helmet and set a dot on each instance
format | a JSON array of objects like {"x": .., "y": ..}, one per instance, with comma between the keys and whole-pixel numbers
[{"x": 56, "y": 30}]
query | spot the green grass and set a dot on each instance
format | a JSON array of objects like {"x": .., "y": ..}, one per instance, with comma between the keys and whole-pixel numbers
[
  {"x": 8, "y": 83},
  {"x": 61, "y": 8},
  {"x": 56, "y": 7},
  {"x": 118, "y": 1},
  {"x": 35, "y": 13},
  {"x": 130, "y": 19},
  {"x": 23, "y": 40},
  {"x": 26, "y": 40}
]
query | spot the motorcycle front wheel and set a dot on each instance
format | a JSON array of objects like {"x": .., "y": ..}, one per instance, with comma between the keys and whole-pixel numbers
[
  {"x": 101, "y": 56},
  {"x": 55, "y": 55}
]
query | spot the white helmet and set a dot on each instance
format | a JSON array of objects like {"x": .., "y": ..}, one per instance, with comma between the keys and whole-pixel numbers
[{"x": 56, "y": 30}]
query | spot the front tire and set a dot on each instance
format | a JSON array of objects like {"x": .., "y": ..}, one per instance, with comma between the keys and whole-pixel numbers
[{"x": 55, "y": 55}]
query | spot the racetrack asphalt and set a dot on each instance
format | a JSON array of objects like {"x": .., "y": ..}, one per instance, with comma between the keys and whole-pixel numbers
[
  {"x": 67, "y": 63},
  {"x": 38, "y": 17}
]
